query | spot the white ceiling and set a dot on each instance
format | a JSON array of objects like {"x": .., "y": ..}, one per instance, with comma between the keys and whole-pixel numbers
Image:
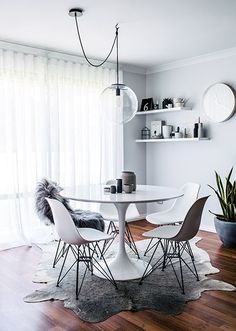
[{"x": 152, "y": 32}]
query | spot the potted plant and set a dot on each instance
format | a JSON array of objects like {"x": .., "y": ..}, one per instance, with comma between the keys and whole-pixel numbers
[{"x": 225, "y": 223}]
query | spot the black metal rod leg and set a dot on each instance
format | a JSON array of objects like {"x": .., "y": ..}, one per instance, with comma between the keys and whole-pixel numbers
[
  {"x": 166, "y": 247},
  {"x": 77, "y": 274},
  {"x": 67, "y": 250},
  {"x": 180, "y": 265},
  {"x": 55, "y": 258},
  {"x": 193, "y": 260},
  {"x": 131, "y": 240},
  {"x": 149, "y": 244}
]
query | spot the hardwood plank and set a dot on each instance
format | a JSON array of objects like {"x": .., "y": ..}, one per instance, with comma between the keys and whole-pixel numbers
[{"x": 215, "y": 310}]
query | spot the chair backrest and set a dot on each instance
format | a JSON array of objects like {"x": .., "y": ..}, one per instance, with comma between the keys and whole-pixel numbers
[
  {"x": 109, "y": 212},
  {"x": 64, "y": 224},
  {"x": 48, "y": 189},
  {"x": 111, "y": 182},
  {"x": 182, "y": 204},
  {"x": 192, "y": 221}
]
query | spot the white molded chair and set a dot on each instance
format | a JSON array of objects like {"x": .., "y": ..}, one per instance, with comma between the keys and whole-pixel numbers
[
  {"x": 174, "y": 241},
  {"x": 177, "y": 212},
  {"x": 109, "y": 213},
  {"x": 82, "y": 242}
]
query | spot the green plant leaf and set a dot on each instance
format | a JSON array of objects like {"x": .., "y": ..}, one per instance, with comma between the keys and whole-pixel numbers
[
  {"x": 229, "y": 175},
  {"x": 226, "y": 197},
  {"x": 234, "y": 192},
  {"x": 222, "y": 202},
  {"x": 219, "y": 185},
  {"x": 220, "y": 216},
  {"x": 228, "y": 187}
]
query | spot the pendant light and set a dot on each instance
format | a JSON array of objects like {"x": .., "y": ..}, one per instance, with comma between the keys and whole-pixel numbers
[{"x": 119, "y": 102}]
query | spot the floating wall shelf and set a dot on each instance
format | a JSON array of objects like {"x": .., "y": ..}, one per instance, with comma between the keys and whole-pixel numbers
[
  {"x": 166, "y": 110},
  {"x": 170, "y": 140}
]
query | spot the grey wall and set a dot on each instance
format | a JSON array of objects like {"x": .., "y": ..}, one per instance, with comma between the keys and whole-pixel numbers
[
  {"x": 134, "y": 154},
  {"x": 176, "y": 163}
]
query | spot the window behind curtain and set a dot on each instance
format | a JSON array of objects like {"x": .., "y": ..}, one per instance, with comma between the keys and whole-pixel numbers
[{"x": 50, "y": 126}]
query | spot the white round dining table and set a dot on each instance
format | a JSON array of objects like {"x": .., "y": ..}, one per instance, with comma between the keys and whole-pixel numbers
[{"x": 122, "y": 266}]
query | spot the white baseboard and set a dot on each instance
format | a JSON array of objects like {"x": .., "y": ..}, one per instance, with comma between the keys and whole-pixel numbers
[
  {"x": 141, "y": 217},
  {"x": 208, "y": 228}
]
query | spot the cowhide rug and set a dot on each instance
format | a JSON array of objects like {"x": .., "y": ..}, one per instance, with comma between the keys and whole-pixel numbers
[{"x": 99, "y": 299}]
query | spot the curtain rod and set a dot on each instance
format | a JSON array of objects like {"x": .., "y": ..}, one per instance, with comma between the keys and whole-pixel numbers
[{"x": 50, "y": 53}]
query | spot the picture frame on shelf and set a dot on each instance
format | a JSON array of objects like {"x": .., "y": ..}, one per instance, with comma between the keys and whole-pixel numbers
[
  {"x": 156, "y": 129},
  {"x": 147, "y": 104}
]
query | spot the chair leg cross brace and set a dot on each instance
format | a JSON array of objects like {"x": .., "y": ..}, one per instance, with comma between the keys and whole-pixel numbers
[
  {"x": 171, "y": 250},
  {"x": 86, "y": 254},
  {"x": 159, "y": 262},
  {"x": 176, "y": 250},
  {"x": 129, "y": 240}
]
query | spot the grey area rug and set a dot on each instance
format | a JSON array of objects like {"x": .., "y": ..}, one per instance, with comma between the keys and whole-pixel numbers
[{"x": 99, "y": 300}]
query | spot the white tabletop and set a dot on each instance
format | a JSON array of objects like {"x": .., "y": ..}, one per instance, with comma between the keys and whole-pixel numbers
[{"x": 144, "y": 193}]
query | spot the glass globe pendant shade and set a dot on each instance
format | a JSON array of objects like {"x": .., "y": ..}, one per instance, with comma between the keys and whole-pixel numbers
[{"x": 119, "y": 103}]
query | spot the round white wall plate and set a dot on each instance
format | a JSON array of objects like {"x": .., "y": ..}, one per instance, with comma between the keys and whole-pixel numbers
[{"x": 219, "y": 102}]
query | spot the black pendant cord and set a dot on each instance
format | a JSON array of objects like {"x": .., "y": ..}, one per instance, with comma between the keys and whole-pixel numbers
[
  {"x": 117, "y": 57},
  {"x": 82, "y": 47}
]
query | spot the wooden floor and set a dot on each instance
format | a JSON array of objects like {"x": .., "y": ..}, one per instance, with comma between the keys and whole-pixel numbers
[{"x": 215, "y": 310}]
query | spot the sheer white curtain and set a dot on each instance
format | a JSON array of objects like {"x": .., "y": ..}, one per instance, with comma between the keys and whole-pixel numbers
[{"x": 50, "y": 126}]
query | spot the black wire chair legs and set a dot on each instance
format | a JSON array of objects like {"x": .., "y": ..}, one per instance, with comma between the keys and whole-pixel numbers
[
  {"x": 176, "y": 250},
  {"x": 129, "y": 240},
  {"x": 59, "y": 252},
  {"x": 87, "y": 254},
  {"x": 171, "y": 250},
  {"x": 150, "y": 268}
]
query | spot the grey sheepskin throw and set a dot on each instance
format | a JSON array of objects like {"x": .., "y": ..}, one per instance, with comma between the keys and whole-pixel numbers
[{"x": 82, "y": 218}]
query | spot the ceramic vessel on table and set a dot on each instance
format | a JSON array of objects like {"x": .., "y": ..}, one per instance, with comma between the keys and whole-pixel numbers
[{"x": 128, "y": 178}]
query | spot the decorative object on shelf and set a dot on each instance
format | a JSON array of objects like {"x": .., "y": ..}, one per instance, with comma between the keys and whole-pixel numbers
[
  {"x": 219, "y": 102},
  {"x": 147, "y": 104},
  {"x": 185, "y": 133},
  {"x": 225, "y": 223},
  {"x": 119, "y": 185},
  {"x": 166, "y": 102},
  {"x": 200, "y": 129},
  {"x": 156, "y": 129},
  {"x": 195, "y": 130},
  {"x": 156, "y": 105},
  {"x": 179, "y": 102},
  {"x": 166, "y": 131},
  {"x": 145, "y": 133},
  {"x": 119, "y": 102},
  {"x": 129, "y": 178},
  {"x": 107, "y": 189},
  {"x": 178, "y": 134},
  {"x": 113, "y": 189}
]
